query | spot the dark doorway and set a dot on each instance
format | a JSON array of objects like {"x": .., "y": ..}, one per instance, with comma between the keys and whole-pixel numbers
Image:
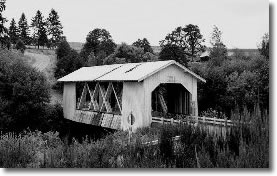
[{"x": 170, "y": 98}]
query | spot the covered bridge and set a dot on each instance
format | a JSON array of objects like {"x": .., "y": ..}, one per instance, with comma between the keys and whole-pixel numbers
[{"x": 122, "y": 95}]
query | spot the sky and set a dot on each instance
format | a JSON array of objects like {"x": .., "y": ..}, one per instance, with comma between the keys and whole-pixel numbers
[{"x": 243, "y": 22}]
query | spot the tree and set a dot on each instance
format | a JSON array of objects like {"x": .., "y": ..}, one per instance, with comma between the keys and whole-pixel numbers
[
  {"x": 143, "y": 44},
  {"x": 219, "y": 51},
  {"x": 68, "y": 64},
  {"x": 125, "y": 54},
  {"x": 23, "y": 29},
  {"x": 91, "y": 60},
  {"x": 63, "y": 49},
  {"x": 54, "y": 28},
  {"x": 188, "y": 38},
  {"x": 24, "y": 93},
  {"x": 173, "y": 52},
  {"x": 20, "y": 46},
  {"x": 13, "y": 32},
  {"x": 96, "y": 41},
  {"x": 39, "y": 27},
  {"x": 264, "y": 46},
  {"x": 4, "y": 39}
]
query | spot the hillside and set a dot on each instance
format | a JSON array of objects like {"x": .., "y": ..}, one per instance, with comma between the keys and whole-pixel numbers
[
  {"x": 45, "y": 61},
  {"x": 76, "y": 45}
]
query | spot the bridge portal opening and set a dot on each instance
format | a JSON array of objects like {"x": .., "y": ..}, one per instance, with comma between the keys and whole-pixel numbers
[{"x": 170, "y": 99}]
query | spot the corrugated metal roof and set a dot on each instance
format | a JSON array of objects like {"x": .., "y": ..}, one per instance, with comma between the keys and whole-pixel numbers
[
  {"x": 89, "y": 73},
  {"x": 122, "y": 72}
]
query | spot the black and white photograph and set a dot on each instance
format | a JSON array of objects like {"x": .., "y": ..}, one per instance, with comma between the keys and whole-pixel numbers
[{"x": 136, "y": 84}]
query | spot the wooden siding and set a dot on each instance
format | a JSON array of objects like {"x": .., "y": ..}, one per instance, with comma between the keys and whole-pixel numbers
[
  {"x": 136, "y": 97},
  {"x": 170, "y": 74},
  {"x": 69, "y": 100},
  {"x": 133, "y": 102}
]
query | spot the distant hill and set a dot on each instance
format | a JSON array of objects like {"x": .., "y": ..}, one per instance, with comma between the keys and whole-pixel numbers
[
  {"x": 246, "y": 52},
  {"x": 157, "y": 49},
  {"x": 76, "y": 45}
]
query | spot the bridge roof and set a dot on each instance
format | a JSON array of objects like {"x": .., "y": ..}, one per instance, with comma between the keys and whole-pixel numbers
[{"x": 122, "y": 72}]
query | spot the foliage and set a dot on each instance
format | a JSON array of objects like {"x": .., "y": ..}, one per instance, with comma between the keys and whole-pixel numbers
[
  {"x": 243, "y": 146},
  {"x": 129, "y": 54},
  {"x": 143, "y": 44},
  {"x": 218, "y": 51},
  {"x": 171, "y": 52},
  {"x": 13, "y": 32},
  {"x": 62, "y": 50},
  {"x": 68, "y": 64},
  {"x": 125, "y": 54},
  {"x": 264, "y": 46},
  {"x": 98, "y": 41},
  {"x": 95, "y": 61},
  {"x": 20, "y": 46},
  {"x": 236, "y": 82},
  {"x": 188, "y": 39},
  {"x": 23, "y": 29},
  {"x": 4, "y": 39},
  {"x": 24, "y": 92},
  {"x": 40, "y": 32},
  {"x": 54, "y": 28}
]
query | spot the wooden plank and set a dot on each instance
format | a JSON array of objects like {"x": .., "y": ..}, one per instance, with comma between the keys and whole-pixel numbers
[
  {"x": 83, "y": 96},
  {"x": 190, "y": 119},
  {"x": 163, "y": 104},
  {"x": 106, "y": 96},
  {"x": 116, "y": 97}
]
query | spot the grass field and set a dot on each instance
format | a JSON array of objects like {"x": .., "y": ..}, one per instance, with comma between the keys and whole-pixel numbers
[{"x": 45, "y": 61}]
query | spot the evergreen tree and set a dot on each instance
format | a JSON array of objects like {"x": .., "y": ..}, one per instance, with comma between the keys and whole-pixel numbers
[
  {"x": 2, "y": 19},
  {"x": 4, "y": 39},
  {"x": 218, "y": 51},
  {"x": 54, "y": 28},
  {"x": 63, "y": 49},
  {"x": 23, "y": 29},
  {"x": 39, "y": 27},
  {"x": 264, "y": 46},
  {"x": 13, "y": 32}
]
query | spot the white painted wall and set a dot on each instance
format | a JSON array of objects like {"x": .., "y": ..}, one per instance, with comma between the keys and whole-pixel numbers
[
  {"x": 170, "y": 74},
  {"x": 69, "y": 100},
  {"x": 133, "y": 102},
  {"x": 136, "y": 98}
]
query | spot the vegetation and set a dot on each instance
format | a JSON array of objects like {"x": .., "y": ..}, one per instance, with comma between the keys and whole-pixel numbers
[
  {"x": 23, "y": 29},
  {"x": 68, "y": 60},
  {"x": 188, "y": 39},
  {"x": 143, "y": 44},
  {"x": 170, "y": 52},
  {"x": 13, "y": 32},
  {"x": 264, "y": 46},
  {"x": 54, "y": 29},
  {"x": 20, "y": 46},
  {"x": 98, "y": 41},
  {"x": 237, "y": 87},
  {"x": 39, "y": 27},
  {"x": 4, "y": 39},
  {"x": 24, "y": 97},
  {"x": 45, "y": 32},
  {"x": 242, "y": 147},
  {"x": 218, "y": 51}
]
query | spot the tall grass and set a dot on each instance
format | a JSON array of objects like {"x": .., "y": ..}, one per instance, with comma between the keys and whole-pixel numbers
[{"x": 244, "y": 146}]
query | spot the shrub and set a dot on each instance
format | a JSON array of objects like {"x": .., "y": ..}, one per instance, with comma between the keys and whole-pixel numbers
[
  {"x": 20, "y": 46},
  {"x": 24, "y": 92}
]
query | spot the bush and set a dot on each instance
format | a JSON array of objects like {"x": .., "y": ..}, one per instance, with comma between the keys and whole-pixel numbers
[
  {"x": 24, "y": 92},
  {"x": 20, "y": 46},
  {"x": 243, "y": 147}
]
